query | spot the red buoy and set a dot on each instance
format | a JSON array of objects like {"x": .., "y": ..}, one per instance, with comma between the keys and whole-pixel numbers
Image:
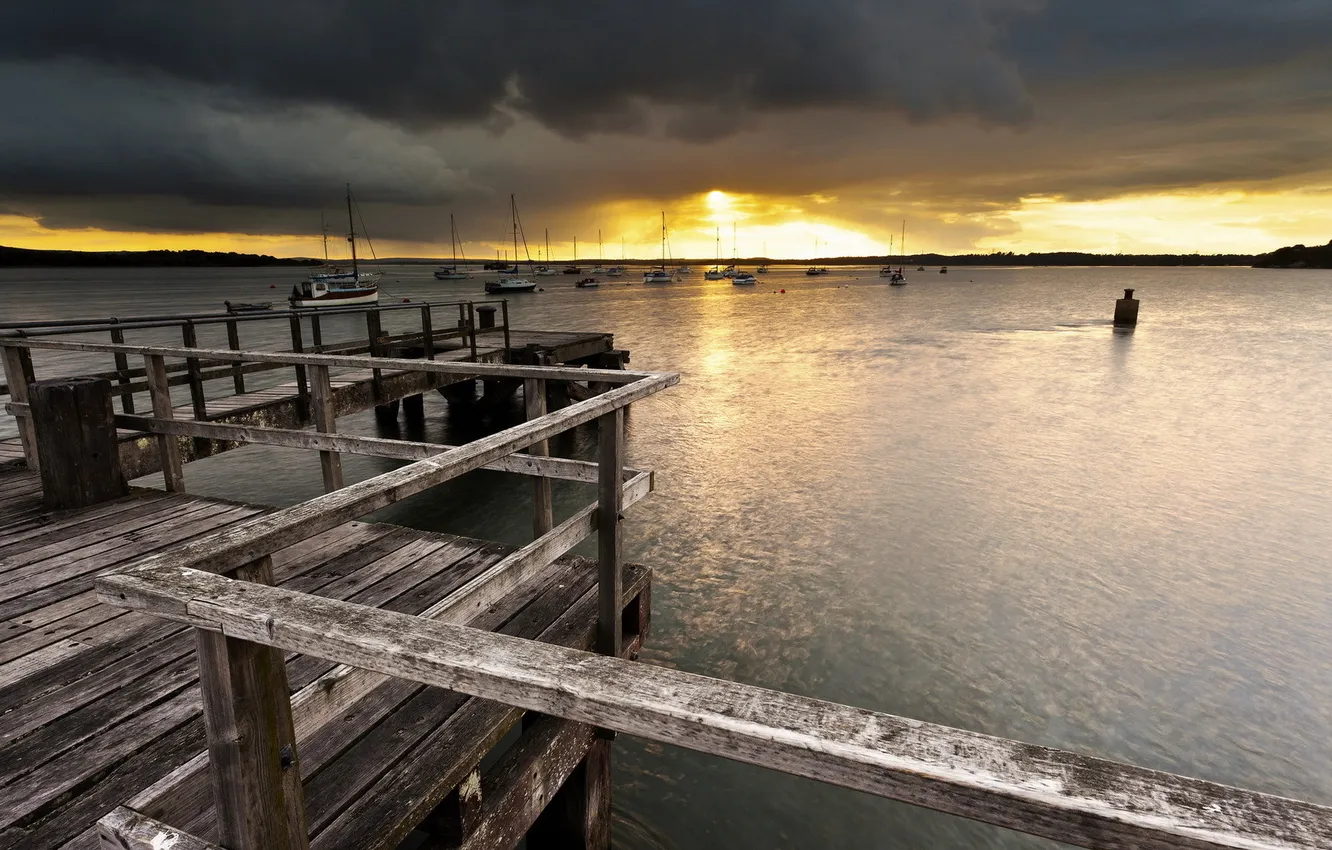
[{"x": 783, "y": 291}]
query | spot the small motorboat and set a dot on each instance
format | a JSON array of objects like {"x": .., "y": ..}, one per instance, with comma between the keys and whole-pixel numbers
[
  {"x": 920, "y": 269},
  {"x": 244, "y": 307},
  {"x": 616, "y": 271},
  {"x": 943, "y": 269},
  {"x": 511, "y": 284},
  {"x": 572, "y": 270},
  {"x": 763, "y": 269},
  {"x": 588, "y": 283},
  {"x": 815, "y": 270},
  {"x": 744, "y": 279}
]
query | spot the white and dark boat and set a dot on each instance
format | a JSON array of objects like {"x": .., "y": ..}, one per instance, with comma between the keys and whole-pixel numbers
[
  {"x": 509, "y": 281},
  {"x": 743, "y": 279},
  {"x": 573, "y": 268},
  {"x": 542, "y": 270},
  {"x": 815, "y": 270},
  {"x": 763, "y": 267},
  {"x": 588, "y": 283},
  {"x": 600, "y": 267},
  {"x": 659, "y": 273},
  {"x": 896, "y": 276},
  {"x": 247, "y": 307},
  {"x": 338, "y": 287},
  {"x": 454, "y": 270},
  {"x": 715, "y": 273}
]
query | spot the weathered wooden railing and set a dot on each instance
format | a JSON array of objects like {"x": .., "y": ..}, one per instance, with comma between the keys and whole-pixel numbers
[{"x": 469, "y": 323}]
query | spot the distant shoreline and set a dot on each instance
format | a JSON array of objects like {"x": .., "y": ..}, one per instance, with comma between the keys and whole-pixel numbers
[{"x": 33, "y": 258}]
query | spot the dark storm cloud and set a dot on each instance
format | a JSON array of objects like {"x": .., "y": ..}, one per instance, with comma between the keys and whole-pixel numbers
[{"x": 576, "y": 66}]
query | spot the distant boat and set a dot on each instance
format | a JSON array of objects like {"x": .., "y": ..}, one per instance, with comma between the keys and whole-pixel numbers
[
  {"x": 763, "y": 269},
  {"x": 572, "y": 268},
  {"x": 338, "y": 288},
  {"x": 452, "y": 271},
  {"x": 744, "y": 279},
  {"x": 659, "y": 274},
  {"x": 920, "y": 269},
  {"x": 943, "y": 269},
  {"x": 616, "y": 271},
  {"x": 599, "y": 268},
  {"x": 898, "y": 277},
  {"x": 508, "y": 282},
  {"x": 588, "y": 283},
  {"x": 813, "y": 270},
  {"x": 545, "y": 271},
  {"x": 243, "y": 307},
  {"x": 715, "y": 273}
]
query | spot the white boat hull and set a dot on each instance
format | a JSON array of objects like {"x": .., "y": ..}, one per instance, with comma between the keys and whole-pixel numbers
[
  {"x": 510, "y": 285},
  {"x": 452, "y": 275},
  {"x": 335, "y": 301}
]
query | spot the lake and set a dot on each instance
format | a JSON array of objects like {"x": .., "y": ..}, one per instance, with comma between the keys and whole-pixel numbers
[{"x": 968, "y": 500}]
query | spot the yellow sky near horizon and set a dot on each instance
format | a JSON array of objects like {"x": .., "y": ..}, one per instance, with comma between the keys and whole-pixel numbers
[{"x": 1227, "y": 221}]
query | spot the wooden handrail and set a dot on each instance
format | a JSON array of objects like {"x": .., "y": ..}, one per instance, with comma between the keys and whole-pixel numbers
[{"x": 1038, "y": 790}]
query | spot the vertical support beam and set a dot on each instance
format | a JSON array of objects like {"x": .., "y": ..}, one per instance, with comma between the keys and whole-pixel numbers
[
  {"x": 160, "y": 392},
  {"x": 458, "y": 815},
  {"x": 18, "y": 374},
  {"x": 325, "y": 422},
  {"x": 302, "y": 388},
  {"x": 316, "y": 334},
  {"x": 610, "y": 457},
  {"x": 471, "y": 327},
  {"x": 237, "y": 367},
  {"x": 374, "y": 331},
  {"x": 504, "y": 307},
  {"x": 251, "y": 739},
  {"x": 462, "y": 323},
  {"x": 190, "y": 337},
  {"x": 122, "y": 366},
  {"x": 578, "y": 817},
  {"x": 427, "y": 333},
  {"x": 543, "y": 510}
]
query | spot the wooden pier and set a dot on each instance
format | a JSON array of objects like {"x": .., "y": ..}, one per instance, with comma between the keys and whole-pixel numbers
[{"x": 192, "y": 673}]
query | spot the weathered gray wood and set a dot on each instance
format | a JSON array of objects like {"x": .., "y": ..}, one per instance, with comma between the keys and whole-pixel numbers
[
  {"x": 251, "y": 741},
  {"x": 297, "y": 346},
  {"x": 518, "y": 788},
  {"x": 122, "y": 372},
  {"x": 321, "y": 394},
  {"x": 522, "y": 464},
  {"x": 427, "y": 333},
  {"x": 578, "y": 817},
  {"x": 237, "y": 367},
  {"x": 610, "y": 449},
  {"x": 463, "y": 369},
  {"x": 73, "y": 421},
  {"x": 172, "y": 471},
  {"x": 1051, "y": 793},
  {"x": 253, "y": 539},
  {"x": 190, "y": 338},
  {"x": 125, "y": 829},
  {"x": 543, "y": 509},
  {"x": 18, "y": 374}
]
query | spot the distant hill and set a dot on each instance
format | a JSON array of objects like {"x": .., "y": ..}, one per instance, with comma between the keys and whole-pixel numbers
[
  {"x": 26, "y": 257},
  {"x": 1297, "y": 257}
]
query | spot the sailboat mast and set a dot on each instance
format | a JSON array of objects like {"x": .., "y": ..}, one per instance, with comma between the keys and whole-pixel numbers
[
  {"x": 513, "y": 210},
  {"x": 902, "y": 244},
  {"x": 351, "y": 234},
  {"x": 735, "y": 244},
  {"x": 323, "y": 229},
  {"x": 600, "y": 257},
  {"x": 663, "y": 239},
  {"x": 548, "y": 257}
]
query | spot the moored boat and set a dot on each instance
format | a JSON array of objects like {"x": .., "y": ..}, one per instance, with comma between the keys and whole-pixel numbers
[
  {"x": 508, "y": 281},
  {"x": 743, "y": 279},
  {"x": 511, "y": 284},
  {"x": 659, "y": 274},
  {"x": 588, "y": 283},
  {"x": 337, "y": 287},
  {"x": 815, "y": 270},
  {"x": 943, "y": 269},
  {"x": 453, "y": 271},
  {"x": 245, "y": 307}
]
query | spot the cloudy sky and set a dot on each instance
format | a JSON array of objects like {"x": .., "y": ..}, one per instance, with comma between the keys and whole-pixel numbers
[{"x": 1102, "y": 125}]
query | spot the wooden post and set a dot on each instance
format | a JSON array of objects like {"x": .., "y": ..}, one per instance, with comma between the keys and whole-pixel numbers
[
  {"x": 190, "y": 337},
  {"x": 316, "y": 333},
  {"x": 610, "y": 467},
  {"x": 462, "y": 323},
  {"x": 122, "y": 366},
  {"x": 251, "y": 739},
  {"x": 18, "y": 374},
  {"x": 326, "y": 422},
  {"x": 160, "y": 392},
  {"x": 237, "y": 367},
  {"x": 578, "y": 816},
  {"x": 75, "y": 429},
  {"x": 504, "y": 306},
  {"x": 1126, "y": 310},
  {"x": 374, "y": 331},
  {"x": 427, "y": 333},
  {"x": 471, "y": 327},
  {"x": 302, "y": 388},
  {"x": 543, "y": 511}
]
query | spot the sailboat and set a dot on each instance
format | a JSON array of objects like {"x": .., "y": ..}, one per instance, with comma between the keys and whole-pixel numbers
[
  {"x": 763, "y": 267},
  {"x": 452, "y": 271},
  {"x": 816, "y": 270},
  {"x": 599, "y": 268},
  {"x": 507, "y": 283},
  {"x": 738, "y": 277},
  {"x": 572, "y": 268},
  {"x": 338, "y": 287},
  {"x": 896, "y": 277},
  {"x": 715, "y": 273},
  {"x": 616, "y": 271},
  {"x": 545, "y": 271},
  {"x": 659, "y": 274}
]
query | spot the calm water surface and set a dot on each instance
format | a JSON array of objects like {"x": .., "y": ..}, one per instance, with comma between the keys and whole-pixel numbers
[{"x": 967, "y": 500}]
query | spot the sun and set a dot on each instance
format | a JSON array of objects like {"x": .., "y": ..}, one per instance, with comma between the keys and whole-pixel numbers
[{"x": 718, "y": 201}]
